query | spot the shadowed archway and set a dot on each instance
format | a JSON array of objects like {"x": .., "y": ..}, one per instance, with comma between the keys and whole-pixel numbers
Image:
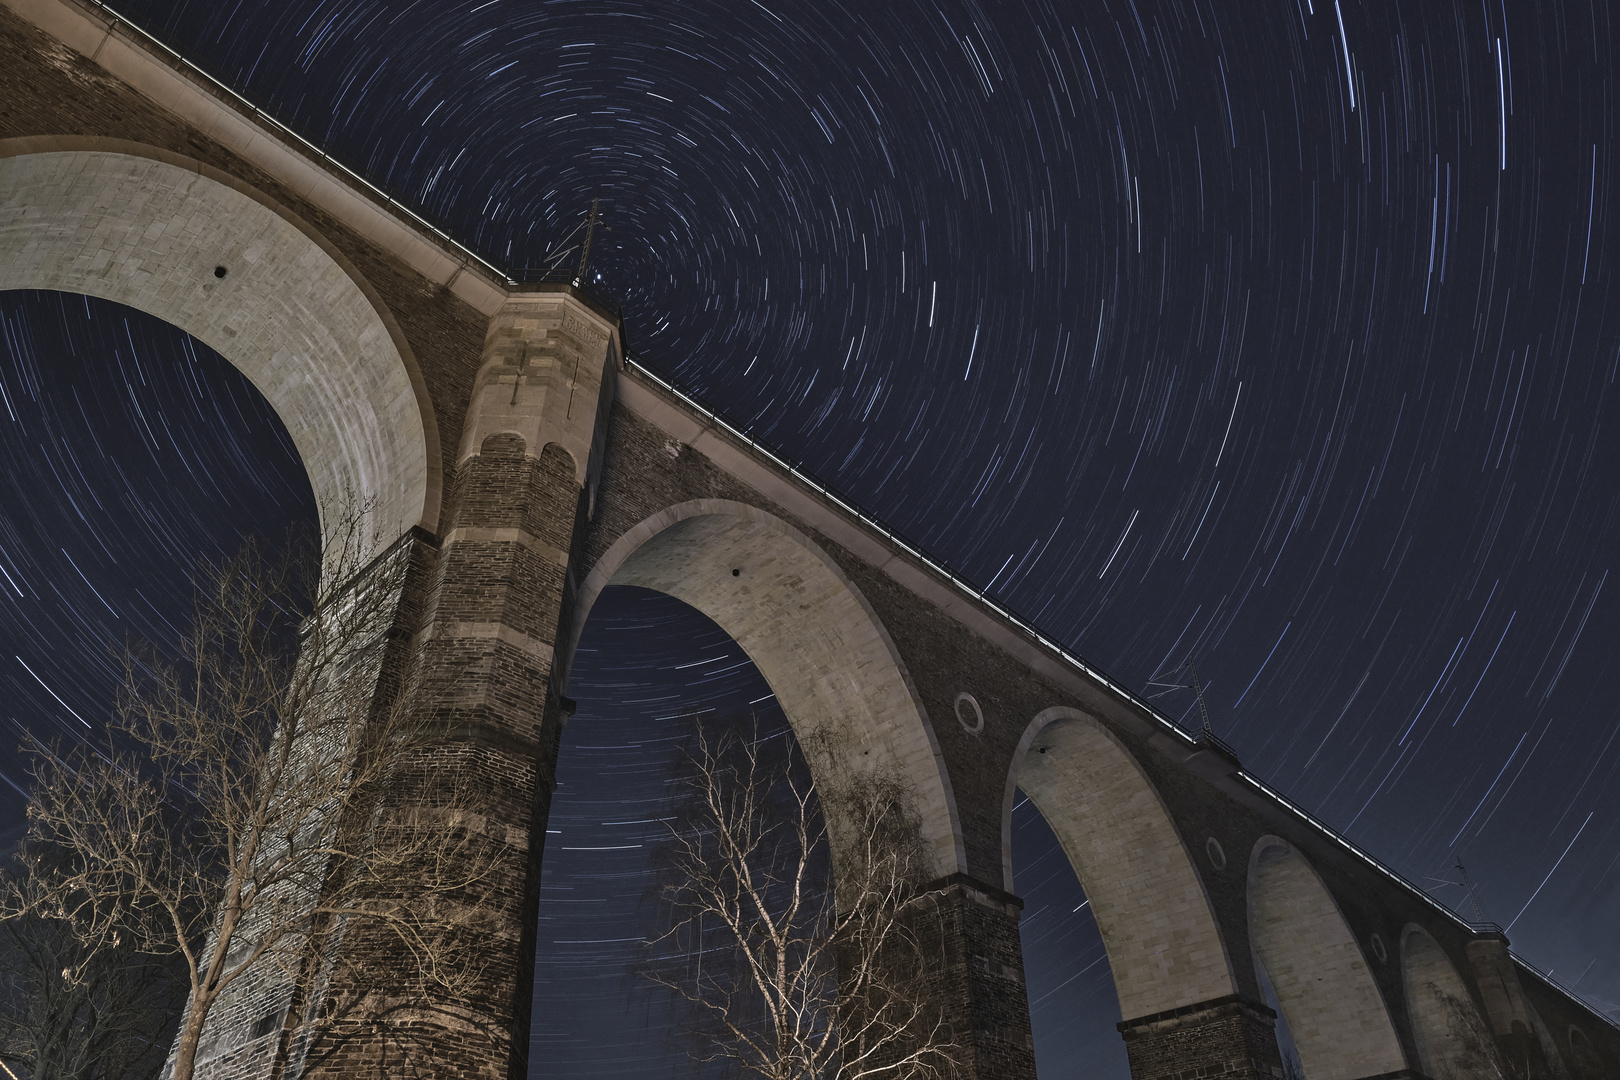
[
  {"x": 1333, "y": 1008},
  {"x": 1163, "y": 942},
  {"x": 647, "y": 667},
  {"x": 813, "y": 636}
]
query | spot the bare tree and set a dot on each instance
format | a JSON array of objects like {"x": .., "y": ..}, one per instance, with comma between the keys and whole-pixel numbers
[
  {"x": 69, "y": 1016},
  {"x": 790, "y": 979},
  {"x": 243, "y": 815}
]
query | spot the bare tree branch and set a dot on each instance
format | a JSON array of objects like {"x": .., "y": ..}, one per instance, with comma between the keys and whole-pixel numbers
[
  {"x": 790, "y": 979},
  {"x": 72, "y": 1016},
  {"x": 244, "y": 814}
]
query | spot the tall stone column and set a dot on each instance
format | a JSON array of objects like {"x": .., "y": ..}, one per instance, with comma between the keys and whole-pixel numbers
[
  {"x": 254, "y": 1028},
  {"x": 1509, "y": 1014},
  {"x": 494, "y": 617},
  {"x": 979, "y": 978},
  {"x": 1227, "y": 1037}
]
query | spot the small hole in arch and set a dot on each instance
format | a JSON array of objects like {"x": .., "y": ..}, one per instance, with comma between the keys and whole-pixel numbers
[
  {"x": 735, "y": 572},
  {"x": 1216, "y": 853},
  {"x": 219, "y": 271},
  {"x": 1378, "y": 948}
]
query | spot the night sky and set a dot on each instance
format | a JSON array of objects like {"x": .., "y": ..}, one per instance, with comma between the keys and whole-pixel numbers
[{"x": 1273, "y": 334}]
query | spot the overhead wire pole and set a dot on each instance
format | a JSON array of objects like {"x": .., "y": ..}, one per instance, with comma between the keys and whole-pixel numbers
[
  {"x": 1198, "y": 690},
  {"x": 1469, "y": 891},
  {"x": 552, "y": 262},
  {"x": 585, "y": 249},
  {"x": 1195, "y": 686},
  {"x": 1469, "y": 888}
]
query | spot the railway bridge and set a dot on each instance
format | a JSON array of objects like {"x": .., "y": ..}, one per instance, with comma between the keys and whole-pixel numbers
[{"x": 520, "y": 463}]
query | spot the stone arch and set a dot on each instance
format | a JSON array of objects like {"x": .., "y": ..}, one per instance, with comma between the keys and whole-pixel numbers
[
  {"x": 1584, "y": 1061},
  {"x": 504, "y": 443},
  {"x": 1333, "y": 1007},
  {"x": 1163, "y": 940},
  {"x": 814, "y": 637},
  {"x": 1551, "y": 1050},
  {"x": 1452, "y": 1038},
  {"x": 147, "y": 228}
]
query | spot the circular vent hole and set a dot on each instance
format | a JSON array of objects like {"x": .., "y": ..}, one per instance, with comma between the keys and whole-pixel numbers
[{"x": 968, "y": 713}]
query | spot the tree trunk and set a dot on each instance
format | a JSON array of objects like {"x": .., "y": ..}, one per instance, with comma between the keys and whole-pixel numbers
[{"x": 185, "y": 1051}]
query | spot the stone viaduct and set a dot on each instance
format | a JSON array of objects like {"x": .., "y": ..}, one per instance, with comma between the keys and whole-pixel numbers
[{"x": 522, "y": 464}]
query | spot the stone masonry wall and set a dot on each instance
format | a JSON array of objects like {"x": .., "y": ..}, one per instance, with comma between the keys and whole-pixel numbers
[
  {"x": 1228, "y": 1037},
  {"x": 646, "y": 470}
]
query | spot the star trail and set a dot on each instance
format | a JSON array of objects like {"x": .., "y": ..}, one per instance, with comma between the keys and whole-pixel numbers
[{"x": 1277, "y": 335}]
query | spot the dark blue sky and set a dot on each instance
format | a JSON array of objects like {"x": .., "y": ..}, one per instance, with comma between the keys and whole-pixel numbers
[{"x": 1280, "y": 334}]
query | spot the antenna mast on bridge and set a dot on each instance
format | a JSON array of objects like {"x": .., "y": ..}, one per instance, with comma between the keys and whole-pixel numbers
[
  {"x": 555, "y": 257},
  {"x": 585, "y": 249},
  {"x": 1165, "y": 680}
]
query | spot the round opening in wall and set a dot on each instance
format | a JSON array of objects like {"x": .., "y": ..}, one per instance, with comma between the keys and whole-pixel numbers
[
  {"x": 968, "y": 713},
  {"x": 219, "y": 271},
  {"x": 1216, "y": 853},
  {"x": 736, "y": 573},
  {"x": 1378, "y": 948}
]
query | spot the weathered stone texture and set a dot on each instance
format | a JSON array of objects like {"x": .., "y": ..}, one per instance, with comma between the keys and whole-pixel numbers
[
  {"x": 1227, "y": 1037},
  {"x": 980, "y": 978},
  {"x": 1338, "y": 1017},
  {"x": 1164, "y": 943}
]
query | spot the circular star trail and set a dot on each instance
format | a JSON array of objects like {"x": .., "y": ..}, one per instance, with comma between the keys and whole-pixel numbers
[{"x": 1281, "y": 336}]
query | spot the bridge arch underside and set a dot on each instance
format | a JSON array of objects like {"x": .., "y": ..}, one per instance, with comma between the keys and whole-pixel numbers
[
  {"x": 1452, "y": 1038},
  {"x": 1162, "y": 939},
  {"x": 1328, "y": 997},
  {"x": 149, "y": 234},
  {"x": 813, "y": 637}
]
